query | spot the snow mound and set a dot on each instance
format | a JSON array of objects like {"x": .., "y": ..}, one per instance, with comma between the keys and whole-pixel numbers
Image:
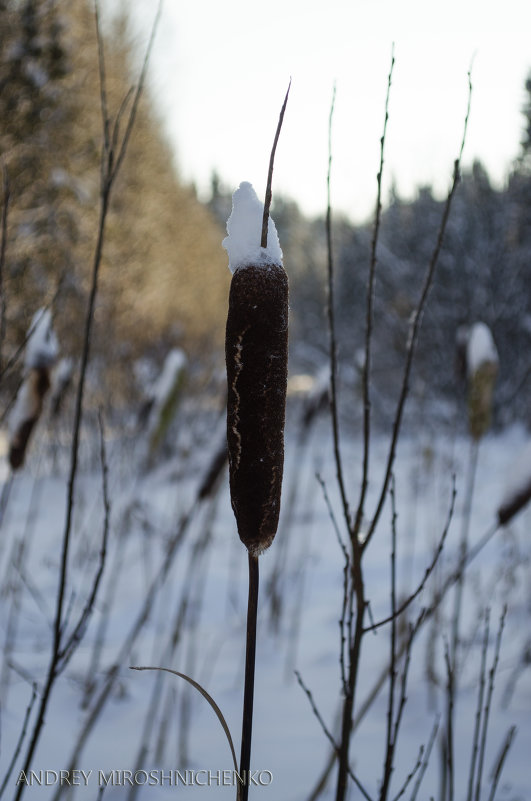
[
  {"x": 480, "y": 348},
  {"x": 244, "y": 228}
]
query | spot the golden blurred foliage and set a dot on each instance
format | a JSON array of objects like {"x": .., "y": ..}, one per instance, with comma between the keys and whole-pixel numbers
[{"x": 164, "y": 279}]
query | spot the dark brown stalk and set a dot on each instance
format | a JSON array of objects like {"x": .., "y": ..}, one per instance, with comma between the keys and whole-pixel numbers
[
  {"x": 248, "y": 693},
  {"x": 268, "y": 195}
]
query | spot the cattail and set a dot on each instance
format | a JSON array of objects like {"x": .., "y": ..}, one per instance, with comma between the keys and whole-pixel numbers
[
  {"x": 256, "y": 351},
  {"x": 61, "y": 381},
  {"x": 518, "y": 491},
  {"x": 482, "y": 369},
  {"x": 164, "y": 396},
  {"x": 41, "y": 353}
]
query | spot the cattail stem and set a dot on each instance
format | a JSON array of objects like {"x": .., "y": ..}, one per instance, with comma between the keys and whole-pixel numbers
[{"x": 248, "y": 693}]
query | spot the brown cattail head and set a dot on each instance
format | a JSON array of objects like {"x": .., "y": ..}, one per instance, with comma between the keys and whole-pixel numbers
[{"x": 256, "y": 351}]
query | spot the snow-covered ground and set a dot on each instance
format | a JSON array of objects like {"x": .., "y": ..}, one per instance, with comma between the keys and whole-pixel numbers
[{"x": 206, "y": 588}]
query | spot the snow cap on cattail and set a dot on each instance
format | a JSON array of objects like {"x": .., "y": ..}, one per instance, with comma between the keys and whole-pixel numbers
[
  {"x": 256, "y": 350},
  {"x": 41, "y": 352},
  {"x": 518, "y": 489},
  {"x": 482, "y": 369}
]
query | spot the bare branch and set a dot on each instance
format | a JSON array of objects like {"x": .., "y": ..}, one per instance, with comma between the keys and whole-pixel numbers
[
  {"x": 509, "y": 737},
  {"x": 429, "y": 570},
  {"x": 416, "y": 324},
  {"x": 329, "y": 735},
  {"x": 479, "y": 708},
  {"x": 138, "y": 93},
  {"x": 332, "y": 332},
  {"x": 20, "y": 740},
  {"x": 425, "y": 761},
  {"x": 370, "y": 313},
  {"x": 488, "y": 703},
  {"x": 77, "y": 634}
]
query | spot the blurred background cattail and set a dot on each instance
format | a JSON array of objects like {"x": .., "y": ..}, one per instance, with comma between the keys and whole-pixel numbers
[
  {"x": 482, "y": 369},
  {"x": 41, "y": 354}
]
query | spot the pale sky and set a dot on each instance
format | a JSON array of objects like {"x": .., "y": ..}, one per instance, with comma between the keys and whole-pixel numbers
[{"x": 221, "y": 69}]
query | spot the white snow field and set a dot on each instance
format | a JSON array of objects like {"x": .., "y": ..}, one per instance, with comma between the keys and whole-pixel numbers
[{"x": 206, "y": 588}]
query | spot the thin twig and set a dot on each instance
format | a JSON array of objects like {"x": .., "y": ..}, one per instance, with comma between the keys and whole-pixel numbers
[
  {"x": 366, "y": 378},
  {"x": 268, "y": 195},
  {"x": 409, "y": 778},
  {"x": 79, "y": 629},
  {"x": 479, "y": 707},
  {"x": 332, "y": 328},
  {"x": 428, "y": 613},
  {"x": 416, "y": 324},
  {"x": 131, "y": 636},
  {"x": 509, "y": 737},
  {"x": 138, "y": 93},
  {"x": 328, "y": 734},
  {"x": 346, "y": 585},
  {"x": 390, "y": 743},
  {"x": 426, "y": 760},
  {"x": 110, "y": 167},
  {"x": 20, "y": 740},
  {"x": 449, "y": 742},
  {"x": 429, "y": 570},
  {"x": 488, "y": 703}
]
